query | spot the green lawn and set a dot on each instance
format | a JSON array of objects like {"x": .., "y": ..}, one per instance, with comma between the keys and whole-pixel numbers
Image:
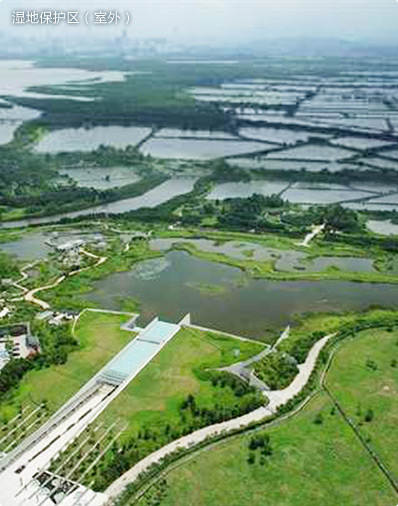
[
  {"x": 154, "y": 397},
  {"x": 358, "y": 386},
  {"x": 100, "y": 338},
  {"x": 312, "y": 464}
]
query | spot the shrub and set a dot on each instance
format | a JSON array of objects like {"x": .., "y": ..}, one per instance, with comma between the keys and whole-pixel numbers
[
  {"x": 277, "y": 370},
  {"x": 261, "y": 442},
  {"x": 369, "y": 415},
  {"x": 251, "y": 459},
  {"x": 371, "y": 365}
]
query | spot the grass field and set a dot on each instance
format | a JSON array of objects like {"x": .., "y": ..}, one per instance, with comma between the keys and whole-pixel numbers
[
  {"x": 99, "y": 337},
  {"x": 154, "y": 397},
  {"x": 365, "y": 377},
  {"x": 312, "y": 463}
]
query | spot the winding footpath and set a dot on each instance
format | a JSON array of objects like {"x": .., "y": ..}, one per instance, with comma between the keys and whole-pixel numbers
[
  {"x": 24, "y": 276},
  {"x": 29, "y": 295},
  {"x": 315, "y": 231},
  {"x": 100, "y": 261},
  {"x": 277, "y": 398}
]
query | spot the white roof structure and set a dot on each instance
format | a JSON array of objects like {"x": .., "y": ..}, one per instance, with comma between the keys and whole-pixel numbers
[
  {"x": 44, "y": 315},
  {"x": 4, "y": 312},
  {"x": 76, "y": 243}
]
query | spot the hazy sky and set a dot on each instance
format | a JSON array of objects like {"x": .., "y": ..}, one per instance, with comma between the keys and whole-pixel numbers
[{"x": 232, "y": 20}]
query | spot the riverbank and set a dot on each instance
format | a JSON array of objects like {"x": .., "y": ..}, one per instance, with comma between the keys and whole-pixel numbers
[{"x": 265, "y": 270}]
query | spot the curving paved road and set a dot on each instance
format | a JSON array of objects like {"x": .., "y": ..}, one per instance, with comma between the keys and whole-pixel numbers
[{"x": 277, "y": 398}]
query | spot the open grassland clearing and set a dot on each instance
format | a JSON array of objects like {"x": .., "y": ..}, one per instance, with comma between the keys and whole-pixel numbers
[
  {"x": 153, "y": 399},
  {"x": 279, "y": 368},
  {"x": 311, "y": 464},
  {"x": 312, "y": 454},
  {"x": 305, "y": 326},
  {"x": 364, "y": 380}
]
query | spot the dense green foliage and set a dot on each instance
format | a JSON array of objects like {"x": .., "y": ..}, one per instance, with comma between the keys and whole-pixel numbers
[
  {"x": 55, "y": 342},
  {"x": 8, "y": 266},
  {"x": 299, "y": 348},
  {"x": 23, "y": 175},
  {"x": 192, "y": 415},
  {"x": 337, "y": 218},
  {"x": 248, "y": 213},
  {"x": 223, "y": 172},
  {"x": 224, "y": 379},
  {"x": 154, "y": 97},
  {"x": 276, "y": 370},
  {"x": 28, "y": 181},
  {"x": 12, "y": 373},
  {"x": 106, "y": 156}
]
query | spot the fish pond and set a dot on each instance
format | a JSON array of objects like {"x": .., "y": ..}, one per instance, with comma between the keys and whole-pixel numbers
[
  {"x": 197, "y": 149},
  {"x": 89, "y": 139},
  {"x": 162, "y": 193},
  {"x": 100, "y": 178}
]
